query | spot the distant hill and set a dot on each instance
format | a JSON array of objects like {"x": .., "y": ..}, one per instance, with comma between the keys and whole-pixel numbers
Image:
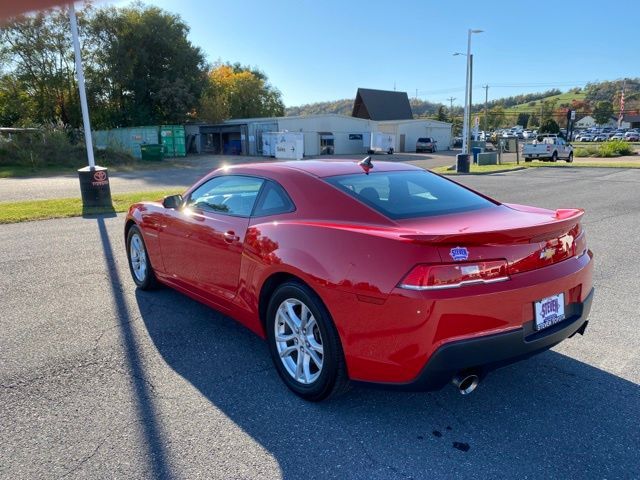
[
  {"x": 341, "y": 107},
  {"x": 582, "y": 99},
  {"x": 345, "y": 106},
  {"x": 560, "y": 100}
]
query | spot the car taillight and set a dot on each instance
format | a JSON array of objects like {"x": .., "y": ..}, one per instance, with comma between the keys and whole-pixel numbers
[
  {"x": 453, "y": 275},
  {"x": 580, "y": 245}
]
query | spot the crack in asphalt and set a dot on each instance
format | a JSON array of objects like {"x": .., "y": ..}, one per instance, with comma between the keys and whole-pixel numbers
[
  {"x": 101, "y": 442},
  {"x": 113, "y": 327}
]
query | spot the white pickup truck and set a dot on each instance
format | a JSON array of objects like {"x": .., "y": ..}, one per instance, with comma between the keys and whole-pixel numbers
[{"x": 548, "y": 147}]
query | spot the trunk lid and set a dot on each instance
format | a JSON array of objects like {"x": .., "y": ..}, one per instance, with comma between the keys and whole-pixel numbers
[{"x": 527, "y": 237}]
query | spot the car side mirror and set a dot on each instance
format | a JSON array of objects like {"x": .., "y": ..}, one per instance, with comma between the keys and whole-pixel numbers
[{"x": 172, "y": 201}]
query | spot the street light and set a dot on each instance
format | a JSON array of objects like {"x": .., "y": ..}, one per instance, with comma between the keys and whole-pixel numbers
[{"x": 467, "y": 92}]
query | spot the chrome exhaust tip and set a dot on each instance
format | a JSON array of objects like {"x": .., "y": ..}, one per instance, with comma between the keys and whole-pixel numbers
[{"x": 466, "y": 383}]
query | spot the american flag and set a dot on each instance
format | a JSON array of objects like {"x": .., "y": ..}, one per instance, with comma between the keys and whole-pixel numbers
[{"x": 621, "y": 114}]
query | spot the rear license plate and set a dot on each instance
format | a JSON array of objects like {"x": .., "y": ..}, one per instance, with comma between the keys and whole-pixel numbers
[{"x": 549, "y": 311}]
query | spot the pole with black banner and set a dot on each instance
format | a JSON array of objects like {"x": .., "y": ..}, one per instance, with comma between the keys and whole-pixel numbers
[
  {"x": 571, "y": 116},
  {"x": 94, "y": 180}
]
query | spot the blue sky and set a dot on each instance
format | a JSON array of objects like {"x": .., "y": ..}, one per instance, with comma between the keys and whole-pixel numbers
[{"x": 325, "y": 50}]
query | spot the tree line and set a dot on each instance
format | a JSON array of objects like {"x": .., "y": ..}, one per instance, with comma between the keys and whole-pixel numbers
[{"x": 140, "y": 69}]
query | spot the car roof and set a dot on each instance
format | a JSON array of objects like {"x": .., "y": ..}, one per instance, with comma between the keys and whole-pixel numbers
[{"x": 322, "y": 168}]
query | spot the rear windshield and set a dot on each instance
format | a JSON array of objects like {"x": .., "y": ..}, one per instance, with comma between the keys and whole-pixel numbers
[
  {"x": 409, "y": 194},
  {"x": 424, "y": 140}
]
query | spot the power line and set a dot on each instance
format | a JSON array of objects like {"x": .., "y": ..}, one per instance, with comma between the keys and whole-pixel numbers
[{"x": 505, "y": 85}]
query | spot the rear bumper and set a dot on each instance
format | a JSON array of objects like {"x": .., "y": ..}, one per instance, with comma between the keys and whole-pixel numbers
[{"x": 489, "y": 352}]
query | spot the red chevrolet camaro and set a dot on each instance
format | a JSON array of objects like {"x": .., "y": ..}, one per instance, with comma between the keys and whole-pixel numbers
[{"x": 383, "y": 273}]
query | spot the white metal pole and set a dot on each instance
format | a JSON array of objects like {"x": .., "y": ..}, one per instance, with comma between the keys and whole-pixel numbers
[
  {"x": 465, "y": 121},
  {"x": 83, "y": 93}
]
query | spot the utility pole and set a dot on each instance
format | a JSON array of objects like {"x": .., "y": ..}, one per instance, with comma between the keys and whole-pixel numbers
[
  {"x": 416, "y": 93},
  {"x": 451, "y": 99},
  {"x": 486, "y": 99}
]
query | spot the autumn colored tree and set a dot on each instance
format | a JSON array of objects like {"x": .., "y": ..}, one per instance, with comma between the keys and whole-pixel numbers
[{"x": 234, "y": 91}]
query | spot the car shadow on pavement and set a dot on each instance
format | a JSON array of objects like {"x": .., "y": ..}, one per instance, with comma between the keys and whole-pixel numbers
[{"x": 547, "y": 417}]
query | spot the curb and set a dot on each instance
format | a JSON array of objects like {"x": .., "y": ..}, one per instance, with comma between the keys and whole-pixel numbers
[{"x": 455, "y": 174}]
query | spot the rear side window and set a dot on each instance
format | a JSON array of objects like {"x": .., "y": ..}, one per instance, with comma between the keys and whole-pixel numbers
[
  {"x": 409, "y": 194},
  {"x": 273, "y": 201}
]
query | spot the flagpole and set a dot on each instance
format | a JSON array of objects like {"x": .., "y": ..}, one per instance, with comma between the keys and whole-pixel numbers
[
  {"x": 621, "y": 114},
  {"x": 83, "y": 94},
  {"x": 94, "y": 180}
]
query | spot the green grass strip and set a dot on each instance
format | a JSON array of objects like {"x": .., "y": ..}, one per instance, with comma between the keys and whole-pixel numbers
[
  {"x": 512, "y": 166},
  {"x": 25, "y": 211},
  {"x": 481, "y": 169}
]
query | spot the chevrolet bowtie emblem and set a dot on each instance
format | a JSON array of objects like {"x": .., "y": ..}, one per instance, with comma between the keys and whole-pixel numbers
[{"x": 547, "y": 253}]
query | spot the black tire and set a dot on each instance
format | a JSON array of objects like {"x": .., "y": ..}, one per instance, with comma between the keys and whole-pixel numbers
[
  {"x": 554, "y": 157},
  {"x": 434, "y": 149},
  {"x": 570, "y": 158},
  {"x": 332, "y": 379},
  {"x": 149, "y": 280}
]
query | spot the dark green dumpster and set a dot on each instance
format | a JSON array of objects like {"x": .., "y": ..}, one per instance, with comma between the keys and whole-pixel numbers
[{"x": 153, "y": 152}]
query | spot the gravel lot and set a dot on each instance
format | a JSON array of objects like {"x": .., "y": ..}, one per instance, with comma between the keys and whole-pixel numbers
[{"x": 98, "y": 380}]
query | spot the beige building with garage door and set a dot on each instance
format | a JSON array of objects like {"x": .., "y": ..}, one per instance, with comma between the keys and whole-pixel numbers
[{"x": 327, "y": 134}]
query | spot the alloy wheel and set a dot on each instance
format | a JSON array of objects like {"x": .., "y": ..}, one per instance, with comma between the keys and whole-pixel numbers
[
  {"x": 298, "y": 341},
  {"x": 138, "y": 257}
]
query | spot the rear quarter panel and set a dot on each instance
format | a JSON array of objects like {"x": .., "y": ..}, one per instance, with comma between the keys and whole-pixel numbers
[{"x": 354, "y": 273}]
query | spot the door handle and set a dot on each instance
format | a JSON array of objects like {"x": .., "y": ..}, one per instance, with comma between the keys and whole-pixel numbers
[{"x": 231, "y": 237}]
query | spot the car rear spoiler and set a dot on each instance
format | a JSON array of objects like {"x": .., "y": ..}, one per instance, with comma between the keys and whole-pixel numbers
[{"x": 560, "y": 223}]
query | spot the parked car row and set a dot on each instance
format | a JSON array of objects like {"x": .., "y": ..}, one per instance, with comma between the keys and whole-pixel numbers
[
  {"x": 632, "y": 135},
  {"x": 590, "y": 135}
]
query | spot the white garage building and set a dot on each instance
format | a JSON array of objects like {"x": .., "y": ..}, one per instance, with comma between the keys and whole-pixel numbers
[{"x": 374, "y": 111}]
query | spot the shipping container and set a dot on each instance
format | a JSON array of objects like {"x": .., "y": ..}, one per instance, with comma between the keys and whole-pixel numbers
[
  {"x": 173, "y": 140},
  {"x": 269, "y": 140},
  {"x": 126, "y": 139}
]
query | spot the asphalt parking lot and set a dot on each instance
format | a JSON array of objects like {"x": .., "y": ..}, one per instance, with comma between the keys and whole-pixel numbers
[{"x": 98, "y": 380}]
